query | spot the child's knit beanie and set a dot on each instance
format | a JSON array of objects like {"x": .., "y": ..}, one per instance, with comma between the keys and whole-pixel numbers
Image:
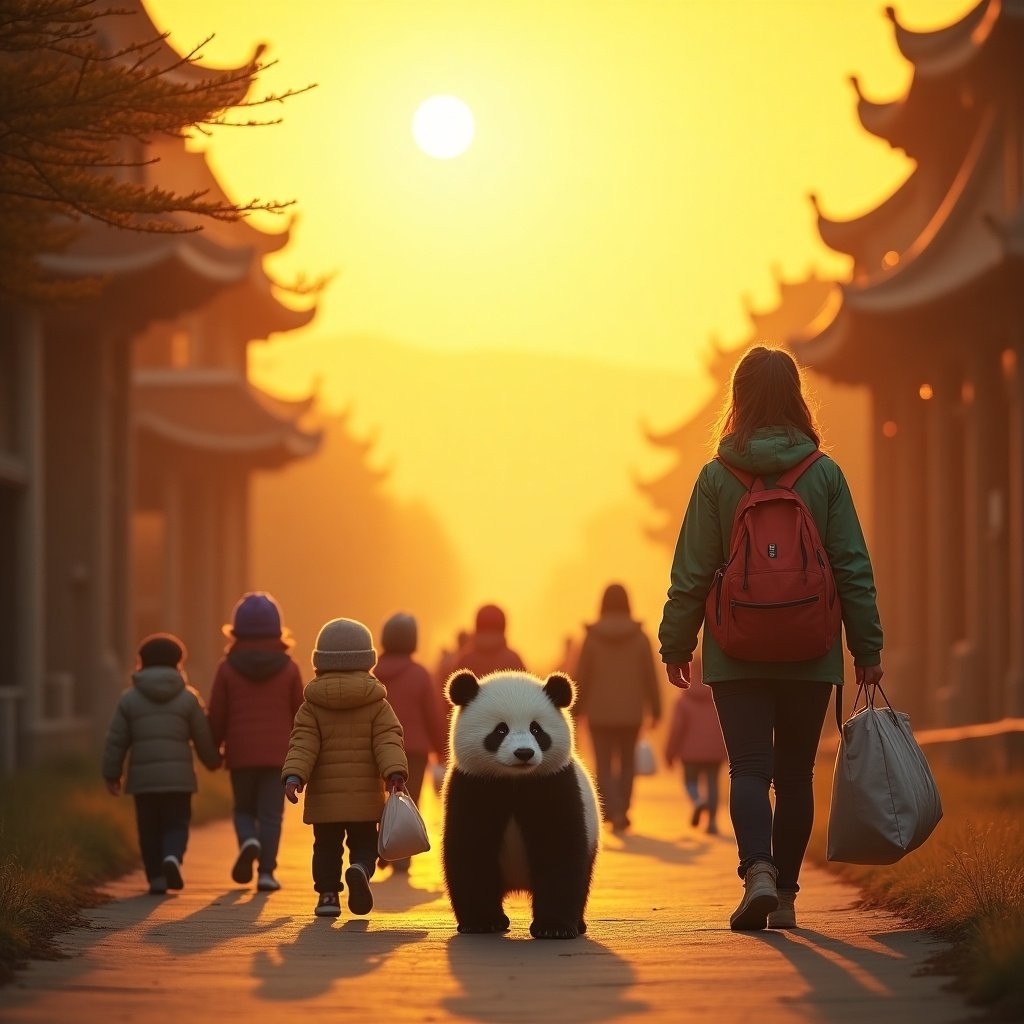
[
  {"x": 163, "y": 649},
  {"x": 344, "y": 645},
  {"x": 257, "y": 615},
  {"x": 398, "y": 636}
]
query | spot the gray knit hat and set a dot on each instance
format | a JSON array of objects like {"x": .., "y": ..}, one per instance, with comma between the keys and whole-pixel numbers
[
  {"x": 399, "y": 634},
  {"x": 344, "y": 645}
]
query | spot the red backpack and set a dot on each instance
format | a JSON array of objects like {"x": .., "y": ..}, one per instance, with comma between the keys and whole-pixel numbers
[{"x": 775, "y": 598}]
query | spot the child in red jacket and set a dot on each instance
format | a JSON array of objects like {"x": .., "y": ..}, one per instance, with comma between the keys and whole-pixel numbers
[
  {"x": 695, "y": 738},
  {"x": 255, "y": 694}
]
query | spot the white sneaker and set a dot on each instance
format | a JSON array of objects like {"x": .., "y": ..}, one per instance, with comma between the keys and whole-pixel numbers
[
  {"x": 172, "y": 873},
  {"x": 248, "y": 854},
  {"x": 267, "y": 882}
]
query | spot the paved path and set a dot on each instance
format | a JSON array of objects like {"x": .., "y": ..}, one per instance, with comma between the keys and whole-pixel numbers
[{"x": 659, "y": 948}]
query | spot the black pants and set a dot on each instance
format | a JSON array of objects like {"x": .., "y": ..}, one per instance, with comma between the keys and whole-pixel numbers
[
  {"x": 162, "y": 820},
  {"x": 328, "y": 838},
  {"x": 615, "y": 757},
  {"x": 771, "y": 729}
]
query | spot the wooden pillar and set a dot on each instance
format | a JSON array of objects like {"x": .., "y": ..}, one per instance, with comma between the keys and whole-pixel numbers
[
  {"x": 173, "y": 509},
  {"x": 884, "y": 547},
  {"x": 910, "y": 518},
  {"x": 1013, "y": 689},
  {"x": 941, "y": 526}
]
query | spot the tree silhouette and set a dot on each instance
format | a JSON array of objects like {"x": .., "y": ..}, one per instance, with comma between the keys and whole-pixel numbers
[{"x": 75, "y": 116}]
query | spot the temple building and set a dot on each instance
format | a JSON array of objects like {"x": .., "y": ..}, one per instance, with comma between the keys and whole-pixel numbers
[
  {"x": 841, "y": 410},
  {"x": 129, "y": 415},
  {"x": 932, "y": 323}
]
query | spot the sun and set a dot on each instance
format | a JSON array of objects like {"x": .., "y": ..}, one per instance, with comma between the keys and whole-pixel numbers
[{"x": 443, "y": 127}]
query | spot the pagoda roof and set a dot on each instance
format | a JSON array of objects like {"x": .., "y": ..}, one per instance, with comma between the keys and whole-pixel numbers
[
  {"x": 220, "y": 412},
  {"x": 799, "y": 303},
  {"x": 948, "y": 50},
  {"x": 954, "y": 248},
  {"x": 120, "y": 31}
]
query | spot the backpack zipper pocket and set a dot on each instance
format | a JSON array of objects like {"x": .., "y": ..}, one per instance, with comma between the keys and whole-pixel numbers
[{"x": 775, "y": 604}]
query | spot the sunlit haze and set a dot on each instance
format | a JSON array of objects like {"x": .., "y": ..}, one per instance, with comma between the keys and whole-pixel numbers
[{"x": 501, "y": 323}]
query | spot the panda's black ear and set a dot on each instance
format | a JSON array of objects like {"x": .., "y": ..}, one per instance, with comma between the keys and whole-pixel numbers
[
  {"x": 560, "y": 689},
  {"x": 462, "y": 688}
]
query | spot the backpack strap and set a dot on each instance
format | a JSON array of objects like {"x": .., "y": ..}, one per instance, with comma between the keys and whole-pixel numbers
[
  {"x": 794, "y": 473},
  {"x": 745, "y": 478}
]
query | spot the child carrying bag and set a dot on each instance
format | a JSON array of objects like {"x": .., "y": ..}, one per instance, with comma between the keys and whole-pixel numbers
[
  {"x": 885, "y": 802},
  {"x": 402, "y": 832}
]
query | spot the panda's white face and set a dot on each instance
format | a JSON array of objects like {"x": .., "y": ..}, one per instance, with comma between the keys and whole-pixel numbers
[{"x": 511, "y": 724}]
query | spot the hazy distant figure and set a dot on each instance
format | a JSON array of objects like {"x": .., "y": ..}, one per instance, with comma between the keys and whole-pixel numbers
[
  {"x": 346, "y": 742},
  {"x": 446, "y": 663},
  {"x": 695, "y": 739},
  {"x": 411, "y": 693},
  {"x": 486, "y": 650},
  {"x": 771, "y": 711},
  {"x": 156, "y": 721},
  {"x": 618, "y": 685},
  {"x": 255, "y": 694}
]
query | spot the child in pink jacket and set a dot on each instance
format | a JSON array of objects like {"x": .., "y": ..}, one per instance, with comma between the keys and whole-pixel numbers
[{"x": 695, "y": 738}]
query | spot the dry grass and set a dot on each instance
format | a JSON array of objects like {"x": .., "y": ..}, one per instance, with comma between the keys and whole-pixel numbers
[
  {"x": 61, "y": 836},
  {"x": 966, "y": 883}
]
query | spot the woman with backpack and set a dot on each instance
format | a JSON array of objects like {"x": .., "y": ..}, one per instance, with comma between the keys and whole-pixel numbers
[{"x": 770, "y": 557}]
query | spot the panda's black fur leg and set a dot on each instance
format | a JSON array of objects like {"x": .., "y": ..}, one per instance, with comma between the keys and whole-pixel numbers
[
  {"x": 583, "y": 927},
  {"x": 553, "y": 931},
  {"x": 485, "y": 927}
]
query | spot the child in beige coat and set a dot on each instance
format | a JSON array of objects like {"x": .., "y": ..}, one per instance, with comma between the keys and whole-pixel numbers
[{"x": 345, "y": 742}]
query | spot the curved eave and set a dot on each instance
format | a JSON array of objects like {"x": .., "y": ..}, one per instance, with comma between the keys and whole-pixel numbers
[
  {"x": 948, "y": 50},
  {"x": 956, "y": 247},
  {"x": 800, "y": 302},
  {"x": 186, "y": 171},
  {"x": 853, "y": 236},
  {"x": 230, "y": 419},
  {"x": 258, "y": 313},
  {"x": 120, "y": 31}
]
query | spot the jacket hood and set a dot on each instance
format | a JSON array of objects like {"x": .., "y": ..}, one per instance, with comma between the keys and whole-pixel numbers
[
  {"x": 614, "y": 627},
  {"x": 771, "y": 451},
  {"x": 342, "y": 690},
  {"x": 255, "y": 664},
  {"x": 158, "y": 683}
]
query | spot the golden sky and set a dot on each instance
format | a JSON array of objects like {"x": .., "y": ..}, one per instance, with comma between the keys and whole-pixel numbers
[{"x": 637, "y": 168}]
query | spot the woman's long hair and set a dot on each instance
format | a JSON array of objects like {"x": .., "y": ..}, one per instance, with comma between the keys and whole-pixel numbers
[{"x": 765, "y": 391}]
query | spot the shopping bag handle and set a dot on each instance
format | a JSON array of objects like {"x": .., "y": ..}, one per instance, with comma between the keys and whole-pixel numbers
[{"x": 869, "y": 701}]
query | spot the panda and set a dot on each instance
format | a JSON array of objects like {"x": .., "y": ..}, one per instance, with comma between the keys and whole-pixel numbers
[{"x": 520, "y": 811}]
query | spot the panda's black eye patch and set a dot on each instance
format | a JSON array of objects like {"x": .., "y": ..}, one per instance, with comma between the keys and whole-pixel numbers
[
  {"x": 542, "y": 738},
  {"x": 494, "y": 738}
]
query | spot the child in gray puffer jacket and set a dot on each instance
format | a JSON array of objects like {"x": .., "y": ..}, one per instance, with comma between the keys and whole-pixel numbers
[{"x": 158, "y": 719}]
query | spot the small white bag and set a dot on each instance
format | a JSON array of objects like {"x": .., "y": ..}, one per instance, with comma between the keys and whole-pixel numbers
[
  {"x": 884, "y": 799},
  {"x": 402, "y": 832},
  {"x": 644, "y": 762}
]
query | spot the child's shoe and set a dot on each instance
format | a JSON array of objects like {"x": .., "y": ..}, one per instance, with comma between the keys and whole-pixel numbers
[
  {"x": 248, "y": 853},
  {"x": 158, "y": 887},
  {"x": 360, "y": 899},
  {"x": 267, "y": 882},
  {"x": 785, "y": 916},
  {"x": 328, "y": 905},
  {"x": 760, "y": 898},
  {"x": 172, "y": 873}
]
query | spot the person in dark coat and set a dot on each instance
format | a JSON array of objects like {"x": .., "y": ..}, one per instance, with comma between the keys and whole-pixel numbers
[
  {"x": 617, "y": 686},
  {"x": 487, "y": 650},
  {"x": 156, "y": 723},
  {"x": 255, "y": 694}
]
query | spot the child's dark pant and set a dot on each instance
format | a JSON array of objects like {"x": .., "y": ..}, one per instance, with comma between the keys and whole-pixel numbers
[
  {"x": 771, "y": 729},
  {"x": 328, "y": 837},
  {"x": 163, "y": 820}
]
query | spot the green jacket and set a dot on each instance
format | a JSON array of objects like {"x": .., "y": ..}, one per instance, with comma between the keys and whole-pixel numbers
[
  {"x": 704, "y": 545},
  {"x": 155, "y": 723}
]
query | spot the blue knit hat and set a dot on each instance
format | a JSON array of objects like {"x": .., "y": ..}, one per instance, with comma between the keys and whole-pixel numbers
[{"x": 257, "y": 615}]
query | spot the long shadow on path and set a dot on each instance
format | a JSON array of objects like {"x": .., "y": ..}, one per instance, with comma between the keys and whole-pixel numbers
[
  {"x": 230, "y": 915},
  {"x": 514, "y": 980},
  {"x": 321, "y": 955}
]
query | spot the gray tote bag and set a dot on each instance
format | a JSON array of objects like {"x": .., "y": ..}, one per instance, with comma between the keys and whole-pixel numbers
[{"x": 884, "y": 799}]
